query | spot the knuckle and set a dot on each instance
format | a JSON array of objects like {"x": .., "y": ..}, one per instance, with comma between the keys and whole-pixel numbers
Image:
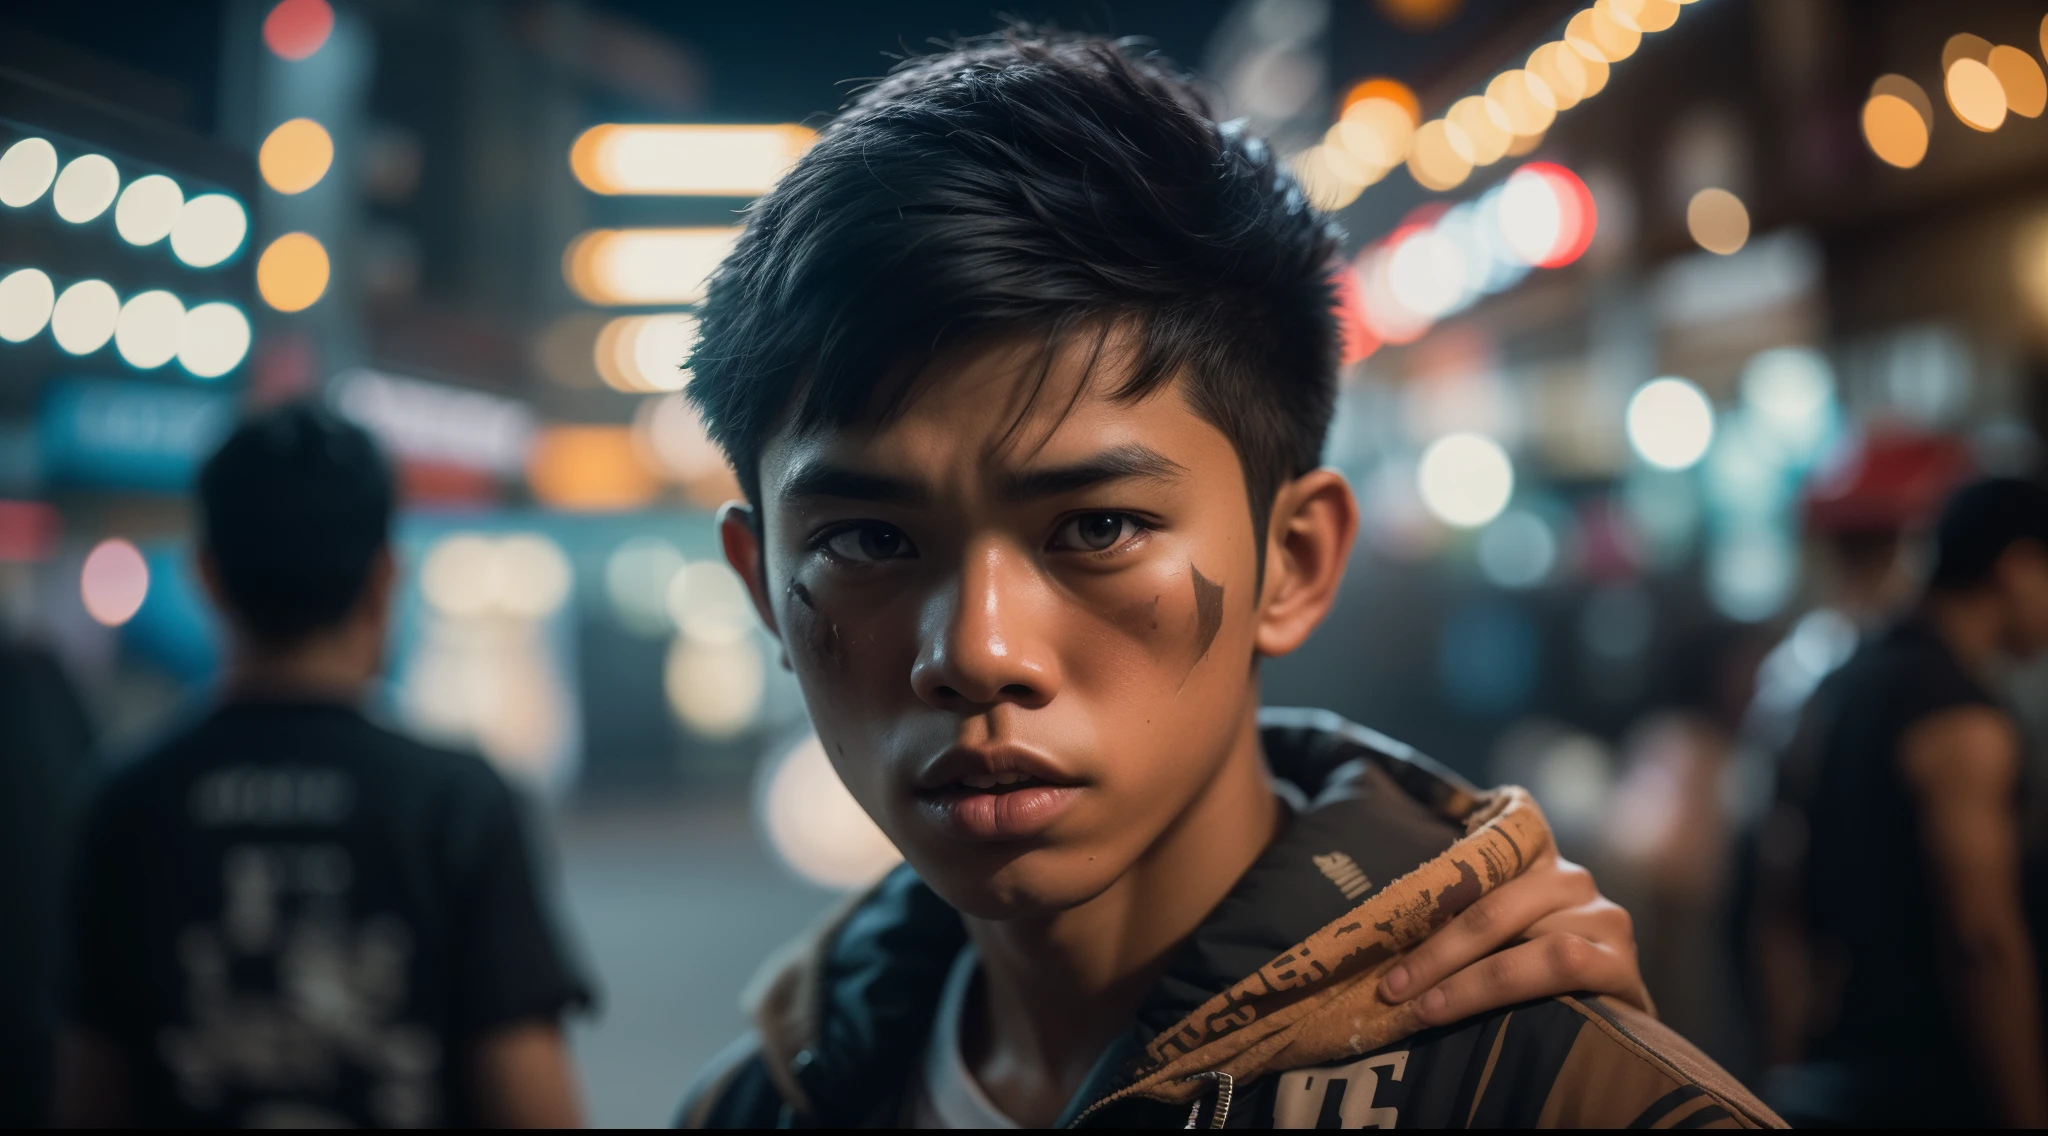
[
  {"x": 1571, "y": 954},
  {"x": 1481, "y": 917}
]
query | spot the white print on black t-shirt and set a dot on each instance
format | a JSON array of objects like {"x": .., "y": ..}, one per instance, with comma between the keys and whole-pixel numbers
[
  {"x": 272, "y": 795},
  {"x": 1304, "y": 1094},
  {"x": 326, "y": 1009}
]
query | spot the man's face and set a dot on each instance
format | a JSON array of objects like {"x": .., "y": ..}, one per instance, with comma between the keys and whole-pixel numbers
[{"x": 1026, "y": 642}]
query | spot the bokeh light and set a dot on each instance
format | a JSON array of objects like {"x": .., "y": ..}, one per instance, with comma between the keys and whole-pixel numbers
[
  {"x": 1377, "y": 131},
  {"x": 1975, "y": 95},
  {"x": 815, "y": 826},
  {"x": 1517, "y": 550},
  {"x": 1331, "y": 176},
  {"x": 1440, "y": 157},
  {"x": 524, "y": 576},
  {"x": 1718, "y": 221},
  {"x": 1484, "y": 127},
  {"x": 1525, "y": 100},
  {"x": 295, "y": 156},
  {"x": 26, "y": 299},
  {"x": 646, "y": 354},
  {"x": 645, "y": 266},
  {"x": 1465, "y": 479},
  {"x": 1790, "y": 394},
  {"x": 26, "y": 171},
  {"x": 295, "y": 29},
  {"x": 2026, "y": 90},
  {"x": 85, "y": 188},
  {"x": 715, "y": 689},
  {"x": 588, "y": 468},
  {"x": 1670, "y": 423},
  {"x": 637, "y": 576},
  {"x": 148, "y": 209},
  {"x": 693, "y": 159},
  {"x": 708, "y": 604},
  {"x": 210, "y": 228},
  {"x": 1390, "y": 90},
  {"x": 292, "y": 273},
  {"x": 84, "y": 317},
  {"x": 1751, "y": 573},
  {"x": 672, "y": 440},
  {"x": 1894, "y": 130},
  {"x": 1427, "y": 273},
  {"x": 213, "y": 339},
  {"x": 147, "y": 331},
  {"x": 114, "y": 582}
]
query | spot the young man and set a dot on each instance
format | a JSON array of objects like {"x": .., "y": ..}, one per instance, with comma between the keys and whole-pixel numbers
[
  {"x": 286, "y": 915},
  {"x": 1915, "y": 999},
  {"x": 1025, "y": 369}
]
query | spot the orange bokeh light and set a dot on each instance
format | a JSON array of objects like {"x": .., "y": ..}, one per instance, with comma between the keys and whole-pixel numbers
[
  {"x": 1380, "y": 87},
  {"x": 590, "y": 469}
]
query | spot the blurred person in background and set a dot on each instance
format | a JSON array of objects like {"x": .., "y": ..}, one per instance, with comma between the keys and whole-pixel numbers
[
  {"x": 45, "y": 743},
  {"x": 284, "y": 914},
  {"x": 1898, "y": 974},
  {"x": 1026, "y": 369}
]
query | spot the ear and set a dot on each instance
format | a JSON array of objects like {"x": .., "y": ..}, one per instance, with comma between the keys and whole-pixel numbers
[
  {"x": 739, "y": 533},
  {"x": 1308, "y": 545}
]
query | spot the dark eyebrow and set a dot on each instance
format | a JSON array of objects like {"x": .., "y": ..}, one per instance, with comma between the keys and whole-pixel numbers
[
  {"x": 1115, "y": 464},
  {"x": 819, "y": 479}
]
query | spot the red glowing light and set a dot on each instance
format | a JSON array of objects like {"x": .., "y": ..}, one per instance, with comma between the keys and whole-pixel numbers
[
  {"x": 28, "y": 531},
  {"x": 1356, "y": 338},
  {"x": 1577, "y": 217},
  {"x": 295, "y": 29}
]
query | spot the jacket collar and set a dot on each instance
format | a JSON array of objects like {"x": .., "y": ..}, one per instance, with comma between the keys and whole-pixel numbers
[{"x": 1281, "y": 975}]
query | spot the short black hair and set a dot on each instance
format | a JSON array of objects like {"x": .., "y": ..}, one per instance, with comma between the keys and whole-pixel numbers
[
  {"x": 1038, "y": 183},
  {"x": 294, "y": 507},
  {"x": 1980, "y": 522}
]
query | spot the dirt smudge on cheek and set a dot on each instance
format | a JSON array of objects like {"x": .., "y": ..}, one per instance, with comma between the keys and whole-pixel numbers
[
  {"x": 1208, "y": 612},
  {"x": 1139, "y": 619},
  {"x": 819, "y": 635}
]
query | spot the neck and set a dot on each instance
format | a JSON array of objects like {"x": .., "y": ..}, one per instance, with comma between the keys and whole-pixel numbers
[
  {"x": 327, "y": 665},
  {"x": 1059, "y": 989},
  {"x": 1972, "y": 625}
]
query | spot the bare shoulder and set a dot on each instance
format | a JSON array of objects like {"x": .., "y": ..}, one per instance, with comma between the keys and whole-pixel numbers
[{"x": 1963, "y": 748}]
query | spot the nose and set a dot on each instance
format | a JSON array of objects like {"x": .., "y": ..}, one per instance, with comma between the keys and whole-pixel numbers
[{"x": 985, "y": 641}]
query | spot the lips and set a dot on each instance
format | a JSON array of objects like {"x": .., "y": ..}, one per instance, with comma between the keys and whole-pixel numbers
[{"x": 999, "y": 793}]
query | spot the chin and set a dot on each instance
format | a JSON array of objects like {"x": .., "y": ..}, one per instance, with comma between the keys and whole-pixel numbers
[{"x": 1032, "y": 884}]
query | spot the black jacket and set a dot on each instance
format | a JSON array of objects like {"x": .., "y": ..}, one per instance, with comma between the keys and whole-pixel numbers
[{"x": 1268, "y": 1015}]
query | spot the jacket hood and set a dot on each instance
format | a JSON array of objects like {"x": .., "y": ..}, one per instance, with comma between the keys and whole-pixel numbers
[{"x": 1385, "y": 846}]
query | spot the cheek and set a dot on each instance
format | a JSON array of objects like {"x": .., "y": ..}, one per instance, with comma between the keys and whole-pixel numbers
[{"x": 1164, "y": 620}]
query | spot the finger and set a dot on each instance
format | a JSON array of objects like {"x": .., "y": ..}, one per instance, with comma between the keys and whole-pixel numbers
[
  {"x": 1498, "y": 918},
  {"x": 1537, "y": 969},
  {"x": 1608, "y": 926}
]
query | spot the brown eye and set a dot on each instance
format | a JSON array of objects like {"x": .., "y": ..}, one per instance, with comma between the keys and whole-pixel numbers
[
  {"x": 1092, "y": 532},
  {"x": 870, "y": 542}
]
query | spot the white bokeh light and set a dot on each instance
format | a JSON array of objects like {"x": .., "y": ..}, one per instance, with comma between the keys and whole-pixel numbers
[
  {"x": 715, "y": 689},
  {"x": 209, "y": 229},
  {"x": 26, "y": 171},
  {"x": 637, "y": 576},
  {"x": 1427, "y": 273},
  {"x": 84, "y": 317},
  {"x": 148, "y": 209},
  {"x": 148, "y": 329},
  {"x": 708, "y": 603},
  {"x": 1465, "y": 479},
  {"x": 26, "y": 298},
  {"x": 1791, "y": 391},
  {"x": 213, "y": 339},
  {"x": 1670, "y": 423},
  {"x": 1531, "y": 216},
  {"x": 815, "y": 826},
  {"x": 85, "y": 188}
]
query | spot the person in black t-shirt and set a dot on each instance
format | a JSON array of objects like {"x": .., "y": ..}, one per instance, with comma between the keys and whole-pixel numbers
[
  {"x": 1896, "y": 950},
  {"x": 285, "y": 915}
]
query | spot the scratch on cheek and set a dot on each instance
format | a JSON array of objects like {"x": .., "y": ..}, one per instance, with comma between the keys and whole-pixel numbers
[
  {"x": 820, "y": 636},
  {"x": 1208, "y": 616}
]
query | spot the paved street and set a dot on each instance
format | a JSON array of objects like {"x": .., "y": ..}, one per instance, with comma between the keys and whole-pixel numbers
[{"x": 675, "y": 902}]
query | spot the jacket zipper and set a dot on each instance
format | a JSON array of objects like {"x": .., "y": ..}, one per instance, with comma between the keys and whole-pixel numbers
[{"x": 1226, "y": 1086}]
